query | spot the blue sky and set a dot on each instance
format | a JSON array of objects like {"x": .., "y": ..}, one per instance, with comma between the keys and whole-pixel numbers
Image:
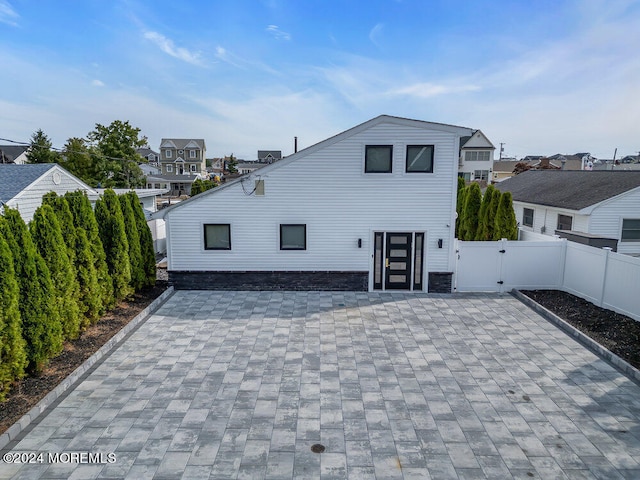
[{"x": 544, "y": 76}]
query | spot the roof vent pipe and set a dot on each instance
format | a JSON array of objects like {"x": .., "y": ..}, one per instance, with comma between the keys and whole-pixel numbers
[{"x": 295, "y": 144}]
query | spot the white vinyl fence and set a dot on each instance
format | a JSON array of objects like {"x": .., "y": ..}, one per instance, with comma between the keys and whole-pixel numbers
[{"x": 605, "y": 278}]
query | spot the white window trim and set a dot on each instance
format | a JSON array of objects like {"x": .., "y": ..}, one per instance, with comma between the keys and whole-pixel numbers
[
  {"x": 169, "y": 168},
  {"x": 168, "y": 153},
  {"x": 193, "y": 167},
  {"x": 193, "y": 154}
]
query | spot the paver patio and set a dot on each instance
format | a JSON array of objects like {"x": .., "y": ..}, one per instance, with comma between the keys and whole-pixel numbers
[{"x": 243, "y": 384}]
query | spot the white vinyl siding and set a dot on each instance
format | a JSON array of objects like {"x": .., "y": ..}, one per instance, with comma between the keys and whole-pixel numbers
[
  {"x": 606, "y": 219},
  {"x": 329, "y": 192}
]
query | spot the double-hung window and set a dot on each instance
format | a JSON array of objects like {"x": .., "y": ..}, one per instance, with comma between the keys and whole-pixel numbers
[
  {"x": 293, "y": 237},
  {"x": 419, "y": 158},
  {"x": 168, "y": 154},
  {"x": 378, "y": 159},
  {"x": 527, "y": 217},
  {"x": 192, "y": 154},
  {"x": 217, "y": 236},
  {"x": 630, "y": 230}
]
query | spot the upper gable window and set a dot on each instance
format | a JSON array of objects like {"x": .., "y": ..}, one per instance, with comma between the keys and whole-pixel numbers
[
  {"x": 420, "y": 158},
  {"x": 481, "y": 156},
  {"x": 378, "y": 158},
  {"x": 168, "y": 153},
  {"x": 192, "y": 154}
]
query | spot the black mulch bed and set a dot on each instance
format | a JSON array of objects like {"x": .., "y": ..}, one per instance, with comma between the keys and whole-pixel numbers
[{"x": 616, "y": 332}]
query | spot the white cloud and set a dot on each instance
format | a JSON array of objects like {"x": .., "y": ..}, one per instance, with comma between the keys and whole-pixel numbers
[
  {"x": 427, "y": 90},
  {"x": 167, "y": 46},
  {"x": 97, "y": 83},
  {"x": 7, "y": 14},
  {"x": 277, "y": 33}
]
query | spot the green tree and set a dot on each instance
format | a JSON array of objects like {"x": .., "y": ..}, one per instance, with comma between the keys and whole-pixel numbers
[
  {"x": 41, "y": 149},
  {"x": 81, "y": 257},
  {"x": 459, "y": 204},
  {"x": 483, "y": 232},
  {"x": 82, "y": 161},
  {"x": 199, "y": 186},
  {"x": 231, "y": 164},
  {"x": 47, "y": 236},
  {"x": 114, "y": 240},
  {"x": 13, "y": 356},
  {"x": 133, "y": 240},
  {"x": 85, "y": 220},
  {"x": 505, "y": 221},
  {"x": 472, "y": 204},
  {"x": 116, "y": 144},
  {"x": 41, "y": 326},
  {"x": 146, "y": 240}
]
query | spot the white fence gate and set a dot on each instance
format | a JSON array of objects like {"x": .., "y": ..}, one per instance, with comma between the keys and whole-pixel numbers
[{"x": 608, "y": 279}]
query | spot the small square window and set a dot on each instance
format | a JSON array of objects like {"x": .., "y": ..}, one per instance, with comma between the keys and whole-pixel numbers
[
  {"x": 193, "y": 167},
  {"x": 420, "y": 158},
  {"x": 527, "y": 217},
  {"x": 564, "y": 222},
  {"x": 378, "y": 158},
  {"x": 293, "y": 237},
  {"x": 169, "y": 168},
  {"x": 217, "y": 236}
]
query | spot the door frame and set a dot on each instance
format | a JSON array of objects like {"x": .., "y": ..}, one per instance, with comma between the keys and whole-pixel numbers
[{"x": 413, "y": 231}]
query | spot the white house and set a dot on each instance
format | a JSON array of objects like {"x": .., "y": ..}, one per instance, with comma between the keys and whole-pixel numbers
[
  {"x": 476, "y": 157},
  {"x": 22, "y": 186},
  {"x": 602, "y": 204},
  {"x": 372, "y": 208}
]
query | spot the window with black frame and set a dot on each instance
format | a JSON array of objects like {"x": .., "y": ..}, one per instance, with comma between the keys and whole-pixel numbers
[
  {"x": 293, "y": 237},
  {"x": 217, "y": 236},
  {"x": 419, "y": 159},
  {"x": 378, "y": 159}
]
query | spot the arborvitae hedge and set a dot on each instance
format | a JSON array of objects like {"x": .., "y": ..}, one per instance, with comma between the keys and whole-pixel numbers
[
  {"x": 133, "y": 239},
  {"x": 146, "y": 240},
  {"x": 462, "y": 198},
  {"x": 65, "y": 219},
  {"x": 47, "y": 235},
  {"x": 459, "y": 204},
  {"x": 114, "y": 240},
  {"x": 41, "y": 326},
  {"x": 505, "y": 222},
  {"x": 485, "y": 218},
  {"x": 13, "y": 356},
  {"x": 471, "y": 209},
  {"x": 84, "y": 219}
]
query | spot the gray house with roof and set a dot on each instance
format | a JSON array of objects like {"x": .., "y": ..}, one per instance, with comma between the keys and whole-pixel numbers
[
  {"x": 22, "y": 186},
  {"x": 602, "y": 204},
  {"x": 14, "y": 154}
]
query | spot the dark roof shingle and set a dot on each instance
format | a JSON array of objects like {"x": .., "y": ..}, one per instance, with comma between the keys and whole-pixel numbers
[
  {"x": 573, "y": 190},
  {"x": 15, "y": 178}
]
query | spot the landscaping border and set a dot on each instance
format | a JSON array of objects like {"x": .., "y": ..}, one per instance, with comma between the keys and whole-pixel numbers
[
  {"x": 28, "y": 418},
  {"x": 625, "y": 367}
]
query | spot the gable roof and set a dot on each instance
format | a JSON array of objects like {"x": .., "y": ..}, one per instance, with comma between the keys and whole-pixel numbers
[
  {"x": 11, "y": 152},
  {"x": 275, "y": 154},
  {"x": 182, "y": 143},
  {"x": 569, "y": 189},
  {"x": 454, "y": 129},
  {"x": 15, "y": 178}
]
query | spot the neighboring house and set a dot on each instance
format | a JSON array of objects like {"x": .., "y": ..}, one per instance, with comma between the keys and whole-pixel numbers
[
  {"x": 148, "y": 169},
  {"x": 14, "y": 154},
  {"x": 152, "y": 157},
  {"x": 175, "y": 185},
  {"x": 476, "y": 158},
  {"x": 244, "y": 167},
  {"x": 217, "y": 166},
  {"x": 180, "y": 156},
  {"x": 22, "y": 186},
  {"x": 604, "y": 204},
  {"x": 372, "y": 208},
  {"x": 269, "y": 156},
  {"x": 505, "y": 169}
]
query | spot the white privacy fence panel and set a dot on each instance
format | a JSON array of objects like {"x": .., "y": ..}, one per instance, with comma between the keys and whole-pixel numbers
[
  {"x": 504, "y": 265},
  {"x": 526, "y": 235},
  {"x": 622, "y": 285},
  {"x": 584, "y": 271},
  {"x": 605, "y": 278}
]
